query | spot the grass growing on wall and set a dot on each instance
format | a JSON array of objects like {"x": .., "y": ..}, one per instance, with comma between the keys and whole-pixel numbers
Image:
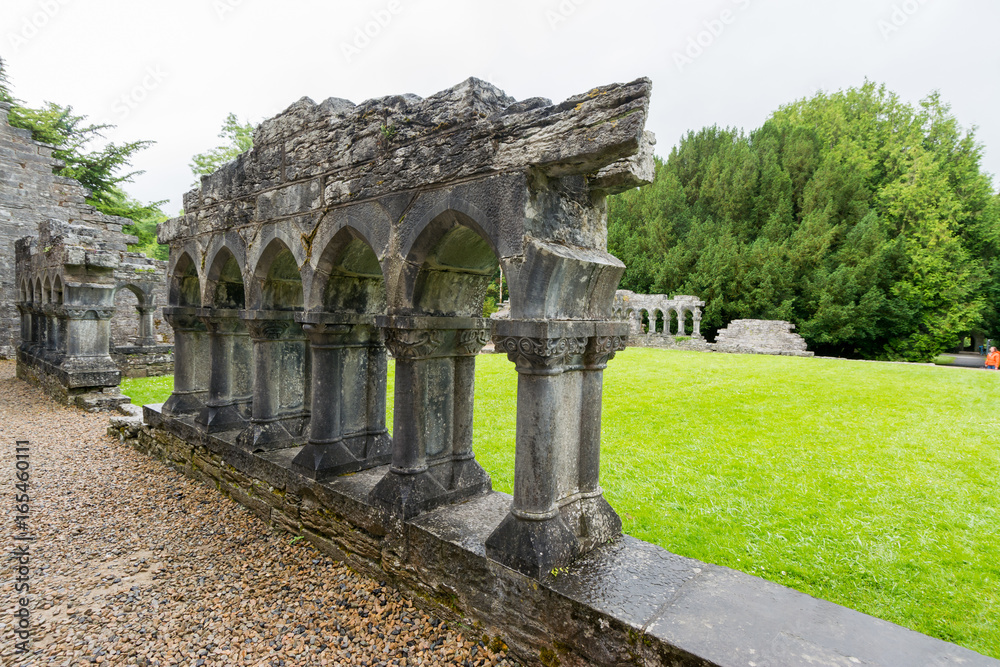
[{"x": 876, "y": 486}]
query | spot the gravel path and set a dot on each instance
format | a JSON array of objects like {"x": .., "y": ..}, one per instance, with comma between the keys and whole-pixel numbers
[{"x": 137, "y": 565}]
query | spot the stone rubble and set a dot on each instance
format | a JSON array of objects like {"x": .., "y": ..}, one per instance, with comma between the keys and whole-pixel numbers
[
  {"x": 761, "y": 337},
  {"x": 137, "y": 565}
]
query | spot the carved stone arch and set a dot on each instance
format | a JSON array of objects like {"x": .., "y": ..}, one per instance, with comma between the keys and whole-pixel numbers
[
  {"x": 367, "y": 226},
  {"x": 431, "y": 205},
  {"x": 226, "y": 270},
  {"x": 184, "y": 281},
  {"x": 26, "y": 292},
  {"x": 141, "y": 295},
  {"x": 177, "y": 253},
  {"x": 57, "y": 289},
  {"x": 277, "y": 278},
  {"x": 348, "y": 276},
  {"x": 46, "y": 289},
  {"x": 447, "y": 269},
  {"x": 38, "y": 291},
  {"x": 272, "y": 244}
]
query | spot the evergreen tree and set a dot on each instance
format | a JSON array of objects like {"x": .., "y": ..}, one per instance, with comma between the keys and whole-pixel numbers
[
  {"x": 97, "y": 170},
  {"x": 864, "y": 220}
]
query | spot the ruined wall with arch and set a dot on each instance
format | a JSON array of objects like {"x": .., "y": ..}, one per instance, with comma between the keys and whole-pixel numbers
[
  {"x": 299, "y": 269},
  {"x": 659, "y": 320},
  {"x": 61, "y": 261}
]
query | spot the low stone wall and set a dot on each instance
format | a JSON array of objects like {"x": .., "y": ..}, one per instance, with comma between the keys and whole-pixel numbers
[
  {"x": 761, "y": 337},
  {"x": 625, "y": 603},
  {"x": 669, "y": 342},
  {"x": 139, "y": 361},
  {"x": 98, "y": 392}
]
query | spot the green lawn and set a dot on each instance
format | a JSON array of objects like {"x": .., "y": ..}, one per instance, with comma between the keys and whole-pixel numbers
[
  {"x": 876, "y": 486},
  {"x": 148, "y": 390}
]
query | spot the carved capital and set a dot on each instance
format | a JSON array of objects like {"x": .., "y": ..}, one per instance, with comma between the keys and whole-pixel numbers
[
  {"x": 540, "y": 353},
  {"x": 602, "y": 349},
  {"x": 468, "y": 342},
  {"x": 78, "y": 313},
  {"x": 412, "y": 344},
  {"x": 265, "y": 330}
]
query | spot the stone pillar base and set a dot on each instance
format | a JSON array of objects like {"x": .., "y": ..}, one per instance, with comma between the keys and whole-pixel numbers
[
  {"x": 405, "y": 494},
  {"x": 274, "y": 434},
  {"x": 184, "y": 403},
  {"x": 324, "y": 460},
  {"x": 219, "y": 417},
  {"x": 532, "y": 547}
]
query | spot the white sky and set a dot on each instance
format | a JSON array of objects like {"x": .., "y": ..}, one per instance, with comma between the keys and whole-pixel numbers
[{"x": 170, "y": 70}]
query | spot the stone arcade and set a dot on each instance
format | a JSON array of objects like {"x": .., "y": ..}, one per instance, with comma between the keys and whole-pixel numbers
[
  {"x": 350, "y": 229},
  {"x": 658, "y": 320},
  {"x": 69, "y": 289}
]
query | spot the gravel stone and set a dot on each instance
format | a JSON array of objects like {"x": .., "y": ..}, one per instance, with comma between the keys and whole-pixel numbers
[{"x": 136, "y": 564}]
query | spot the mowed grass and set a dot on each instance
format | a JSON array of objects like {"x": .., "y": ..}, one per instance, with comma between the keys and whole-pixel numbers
[
  {"x": 876, "y": 486},
  {"x": 148, "y": 390}
]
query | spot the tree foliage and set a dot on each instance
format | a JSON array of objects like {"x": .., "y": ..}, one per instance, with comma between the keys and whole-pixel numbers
[
  {"x": 101, "y": 171},
  {"x": 864, "y": 220},
  {"x": 238, "y": 139}
]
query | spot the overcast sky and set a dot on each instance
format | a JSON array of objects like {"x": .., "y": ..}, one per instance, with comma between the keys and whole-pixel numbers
[{"x": 170, "y": 70}]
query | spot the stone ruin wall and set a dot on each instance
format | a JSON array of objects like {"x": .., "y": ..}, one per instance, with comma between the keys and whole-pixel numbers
[
  {"x": 50, "y": 211},
  {"x": 659, "y": 320},
  {"x": 761, "y": 337}
]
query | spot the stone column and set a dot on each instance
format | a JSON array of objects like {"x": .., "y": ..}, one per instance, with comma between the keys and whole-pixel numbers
[
  {"x": 147, "y": 333},
  {"x": 87, "y": 361},
  {"x": 25, "y": 311},
  {"x": 48, "y": 332},
  {"x": 58, "y": 333},
  {"x": 191, "y": 361},
  {"x": 558, "y": 510},
  {"x": 230, "y": 384},
  {"x": 347, "y": 431},
  {"x": 432, "y": 459},
  {"x": 37, "y": 330},
  {"x": 280, "y": 414},
  {"x": 696, "y": 319}
]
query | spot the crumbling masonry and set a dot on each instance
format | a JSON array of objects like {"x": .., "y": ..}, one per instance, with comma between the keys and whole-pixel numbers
[
  {"x": 351, "y": 229},
  {"x": 58, "y": 310}
]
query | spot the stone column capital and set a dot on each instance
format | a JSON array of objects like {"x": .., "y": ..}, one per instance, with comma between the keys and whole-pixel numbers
[
  {"x": 271, "y": 325},
  {"x": 418, "y": 337},
  {"x": 219, "y": 321},
  {"x": 536, "y": 354},
  {"x": 339, "y": 330},
  {"x": 602, "y": 347},
  {"x": 80, "y": 312},
  {"x": 413, "y": 344},
  {"x": 267, "y": 330}
]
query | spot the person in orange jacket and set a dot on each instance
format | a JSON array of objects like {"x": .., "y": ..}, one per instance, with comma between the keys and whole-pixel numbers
[{"x": 993, "y": 360}]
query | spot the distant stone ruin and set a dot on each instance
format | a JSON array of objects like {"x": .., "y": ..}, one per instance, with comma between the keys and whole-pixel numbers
[
  {"x": 658, "y": 320},
  {"x": 761, "y": 337},
  {"x": 72, "y": 288}
]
